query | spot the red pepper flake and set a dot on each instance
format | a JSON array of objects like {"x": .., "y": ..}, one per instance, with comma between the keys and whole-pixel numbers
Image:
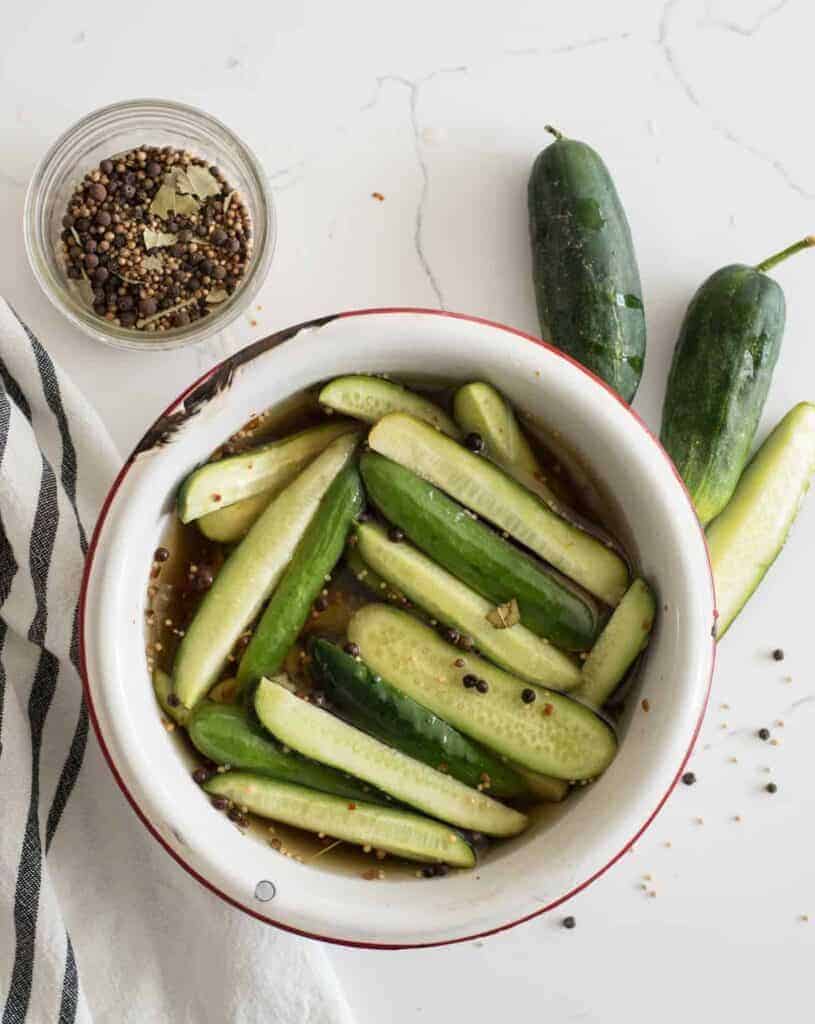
[
  {"x": 216, "y": 497},
  {"x": 352, "y": 806},
  {"x": 646, "y": 704},
  {"x": 378, "y": 197},
  {"x": 548, "y": 709}
]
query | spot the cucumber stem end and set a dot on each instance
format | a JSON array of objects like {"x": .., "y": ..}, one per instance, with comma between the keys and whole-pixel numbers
[
  {"x": 779, "y": 257},
  {"x": 553, "y": 131}
]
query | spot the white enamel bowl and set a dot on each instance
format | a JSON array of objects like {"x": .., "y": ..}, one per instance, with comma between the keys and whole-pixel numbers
[{"x": 559, "y": 854}]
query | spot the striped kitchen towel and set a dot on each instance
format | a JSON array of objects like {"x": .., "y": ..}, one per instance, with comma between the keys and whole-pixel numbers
[{"x": 96, "y": 922}]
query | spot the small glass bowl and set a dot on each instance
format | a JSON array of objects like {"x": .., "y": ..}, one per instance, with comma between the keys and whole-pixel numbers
[{"x": 116, "y": 129}]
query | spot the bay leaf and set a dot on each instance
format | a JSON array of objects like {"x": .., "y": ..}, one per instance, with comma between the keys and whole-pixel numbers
[
  {"x": 167, "y": 201},
  {"x": 85, "y": 291},
  {"x": 152, "y": 262},
  {"x": 76, "y": 237},
  {"x": 504, "y": 615},
  {"x": 217, "y": 295},
  {"x": 197, "y": 181},
  {"x": 158, "y": 239}
]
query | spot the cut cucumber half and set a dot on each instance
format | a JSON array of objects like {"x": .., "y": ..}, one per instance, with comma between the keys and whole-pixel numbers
[
  {"x": 163, "y": 689},
  {"x": 251, "y": 573},
  {"x": 227, "y": 735},
  {"x": 746, "y": 538},
  {"x": 268, "y": 468},
  {"x": 376, "y": 707},
  {"x": 317, "y": 553},
  {"x": 552, "y": 735},
  {"x": 515, "y": 648},
  {"x": 318, "y": 734},
  {"x": 477, "y": 556},
  {"x": 483, "y": 487},
  {"x": 231, "y": 524},
  {"x": 624, "y": 637},
  {"x": 370, "y": 398},
  {"x": 480, "y": 409},
  {"x": 399, "y": 832}
]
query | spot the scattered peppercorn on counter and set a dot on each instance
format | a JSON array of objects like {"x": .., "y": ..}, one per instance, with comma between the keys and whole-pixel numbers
[{"x": 360, "y": 628}]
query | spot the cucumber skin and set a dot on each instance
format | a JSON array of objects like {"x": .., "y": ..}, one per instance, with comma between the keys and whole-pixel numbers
[
  {"x": 720, "y": 375},
  {"x": 227, "y": 735},
  {"x": 476, "y": 555},
  {"x": 371, "y": 704},
  {"x": 584, "y": 269},
  {"x": 315, "y": 557}
]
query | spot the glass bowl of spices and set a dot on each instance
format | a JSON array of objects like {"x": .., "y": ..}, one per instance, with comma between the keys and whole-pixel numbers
[{"x": 149, "y": 224}]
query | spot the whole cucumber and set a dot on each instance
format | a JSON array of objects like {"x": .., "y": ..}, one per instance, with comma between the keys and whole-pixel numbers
[
  {"x": 587, "y": 284},
  {"x": 721, "y": 372}
]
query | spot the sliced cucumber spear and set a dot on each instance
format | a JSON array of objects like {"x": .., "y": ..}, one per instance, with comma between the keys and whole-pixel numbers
[
  {"x": 544, "y": 787},
  {"x": 231, "y": 524},
  {"x": 480, "y": 409},
  {"x": 370, "y": 398},
  {"x": 371, "y": 704},
  {"x": 399, "y": 832},
  {"x": 163, "y": 689},
  {"x": 624, "y": 637},
  {"x": 320, "y": 735},
  {"x": 552, "y": 735},
  {"x": 746, "y": 538},
  {"x": 251, "y": 573},
  {"x": 483, "y": 487},
  {"x": 317, "y": 553},
  {"x": 437, "y": 591},
  {"x": 267, "y": 469},
  {"x": 227, "y": 735},
  {"x": 477, "y": 556}
]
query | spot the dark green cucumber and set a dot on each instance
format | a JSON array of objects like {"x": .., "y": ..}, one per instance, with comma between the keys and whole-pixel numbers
[
  {"x": 371, "y": 704},
  {"x": 399, "y": 832},
  {"x": 316, "y": 555},
  {"x": 227, "y": 735},
  {"x": 585, "y": 274},
  {"x": 721, "y": 372},
  {"x": 477, "y": 555}
]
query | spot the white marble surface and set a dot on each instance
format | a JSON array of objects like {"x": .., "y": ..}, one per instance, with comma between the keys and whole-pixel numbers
[{"x": 702, "y": 110}]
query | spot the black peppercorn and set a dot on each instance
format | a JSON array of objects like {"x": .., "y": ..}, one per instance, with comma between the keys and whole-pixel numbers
[
  {"x": 778, "y": 654},
  {"x": 763, "y": 734},
  {"x": 689, "y": 778},
  {"x": 470, "y": 681},
  {"x": 321, "y": 603},
  {"x": 482, "y": 686},
  {"x": 220, "y": 803},
  {"x": 771, "y": 787},
  {"x": 352, "y": 649},
  {"x": 396, "y": 535},
  {"x": 202, "y": 775},
  {"x": 568, "y": 922},
  {"x": 528, "y": 695},
  {"x": 475, "y": 442},
  {"x": 451, "y": 635},
  {"x": 173, "y": 700},
  {"x": 161, "y": 555}
]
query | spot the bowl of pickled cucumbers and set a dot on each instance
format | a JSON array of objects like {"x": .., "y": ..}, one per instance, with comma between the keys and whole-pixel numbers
[{"x": 396, "y": 637}]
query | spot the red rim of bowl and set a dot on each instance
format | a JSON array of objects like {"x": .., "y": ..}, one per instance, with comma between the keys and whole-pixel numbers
[{"x": 330, "y": 938}]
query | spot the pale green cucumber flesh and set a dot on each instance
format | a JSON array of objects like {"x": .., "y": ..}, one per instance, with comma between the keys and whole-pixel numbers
[
  {"x": 399, "y": 832},
  {"x": 480, "y": 409},
  {"x": 748, "y": 535},
  {"x": 552, "y": 735},
  {"x": 516, "y": 648},
  {"x": 484, "y": 488},
  {"x": 625, "y": 635},
  {"x": 370, "y": 398},
  {"x": 251, "y": 573},
  {"x": 318, "y": 734},
  {"x": 544, "y": 787},
  {"x": 216, "y": 485},
  {"x": 231, "y": 524},
  {"x": 317, "y": 553}
]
